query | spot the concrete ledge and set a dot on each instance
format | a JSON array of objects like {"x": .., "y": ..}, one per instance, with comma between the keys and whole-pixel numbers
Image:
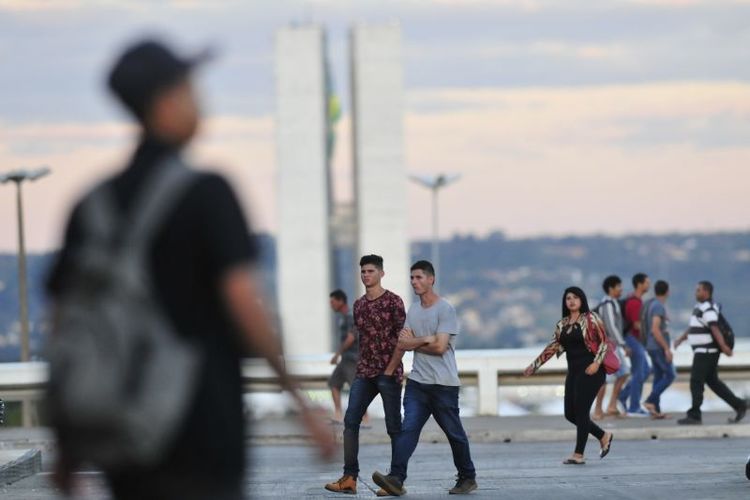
[
  {"x": 19, "y": 464},
  {"x": 515, "y": 429},
  {"x": 530, "y": 435},
  {"x": 643, "y": 433}
]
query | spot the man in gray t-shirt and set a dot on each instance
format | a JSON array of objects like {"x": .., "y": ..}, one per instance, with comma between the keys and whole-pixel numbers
[
  {"x": 432, "y": 389},
  {"x": 658, "y": 346},
  {"x": 423, "y": 322}
]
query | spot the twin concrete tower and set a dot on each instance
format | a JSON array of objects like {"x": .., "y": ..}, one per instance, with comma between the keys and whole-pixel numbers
[{"x": 305, "y": 245}]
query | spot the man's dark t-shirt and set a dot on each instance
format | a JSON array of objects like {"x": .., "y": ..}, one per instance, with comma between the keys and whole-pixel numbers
[
  {"x": 202, "y": 237},
  {"x": 345, "y": 325}
]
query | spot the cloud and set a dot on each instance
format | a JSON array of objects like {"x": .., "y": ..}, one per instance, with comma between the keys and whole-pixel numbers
[
  {"x": 583, "y": 160},
  {"x": 615, "y": 159},
  {"x": 537, "y": 102},
  {"x": 446, "y": 44},
  {"x": 83, "y": 153}
]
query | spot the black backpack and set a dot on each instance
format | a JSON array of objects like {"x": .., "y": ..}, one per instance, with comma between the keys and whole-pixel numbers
[
  {"x": 726, "y": 330},
  {"x": 724, "y": 327}
]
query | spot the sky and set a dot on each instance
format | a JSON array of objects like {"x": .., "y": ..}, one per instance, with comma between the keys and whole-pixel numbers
[{"x": 563, "y": 117}]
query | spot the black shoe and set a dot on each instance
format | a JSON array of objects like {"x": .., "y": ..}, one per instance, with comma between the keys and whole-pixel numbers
[
  {"x": 689, "y": 421},
  {"x": 605, "y": 450},
  {"x": 740, "y": 415},
  {"x": 391, "y": 484},
  {"x": 747, "y": 468},
  {"x": 463, "y": 486}
]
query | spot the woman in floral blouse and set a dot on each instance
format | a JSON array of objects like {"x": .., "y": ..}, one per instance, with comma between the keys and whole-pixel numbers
[{"x": 580, "y": 333}]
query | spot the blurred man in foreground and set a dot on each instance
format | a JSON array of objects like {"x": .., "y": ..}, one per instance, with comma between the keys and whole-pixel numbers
[{"x": 199, "y": 263}]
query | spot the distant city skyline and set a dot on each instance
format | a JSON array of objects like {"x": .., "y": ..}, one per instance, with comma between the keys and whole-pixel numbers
[{"x": 563, "y": 117}]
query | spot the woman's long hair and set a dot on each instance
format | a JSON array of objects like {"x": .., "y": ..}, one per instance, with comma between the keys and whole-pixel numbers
[{"x": 578, "y": 293}]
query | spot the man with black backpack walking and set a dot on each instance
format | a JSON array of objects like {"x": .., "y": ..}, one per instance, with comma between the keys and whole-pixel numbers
[
  {"x": 174, "y": 247},
  {"x": 709, "y": 335}
]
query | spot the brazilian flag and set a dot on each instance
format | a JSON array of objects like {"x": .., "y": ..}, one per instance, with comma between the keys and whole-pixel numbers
[{"x": 333, "y": 113}]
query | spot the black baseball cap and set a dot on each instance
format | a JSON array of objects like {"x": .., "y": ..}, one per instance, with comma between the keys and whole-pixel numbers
[{"x": 146, "y": 68}]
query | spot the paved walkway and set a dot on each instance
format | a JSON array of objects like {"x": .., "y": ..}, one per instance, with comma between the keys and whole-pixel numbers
[
  {"x": 711, "y": 469},
  {"x": 702, "y": 469},
  {"x": 516, "y": 457}
]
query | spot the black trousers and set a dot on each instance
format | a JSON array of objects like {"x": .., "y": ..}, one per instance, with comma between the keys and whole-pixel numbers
[
  {"x": 186, "y": 489},
  {"x": 705, "y": 371},
  {"x": 580, "y": 392}
]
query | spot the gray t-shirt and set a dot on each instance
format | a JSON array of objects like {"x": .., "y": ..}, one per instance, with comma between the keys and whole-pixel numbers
[
  {"x": 657, "y": 309},
  {"x": 344, "y": 325},
  {"x": 438, "y": 318}
]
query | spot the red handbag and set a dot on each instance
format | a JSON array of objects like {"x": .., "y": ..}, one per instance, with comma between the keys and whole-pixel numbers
[{"x": 611, "y": 361}]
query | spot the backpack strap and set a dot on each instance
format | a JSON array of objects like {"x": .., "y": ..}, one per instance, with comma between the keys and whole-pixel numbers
[
  {"x": 99, "y": 214},
  {"x": 156, "y": 198},
  {"x": 159, "y": 193}
]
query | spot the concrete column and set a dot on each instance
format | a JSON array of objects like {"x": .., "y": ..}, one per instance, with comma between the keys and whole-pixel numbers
[
  {"x": 378, "y": 137},
  {"x": 304, "y": 241}
]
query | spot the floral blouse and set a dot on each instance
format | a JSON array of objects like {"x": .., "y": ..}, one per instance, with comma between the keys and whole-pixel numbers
[{"x": 594, "y": 338}]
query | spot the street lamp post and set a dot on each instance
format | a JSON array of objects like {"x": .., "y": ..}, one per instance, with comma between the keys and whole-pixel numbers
[
  {"x": 434, "y": 183},
  {"x": 18, "y": 176}
]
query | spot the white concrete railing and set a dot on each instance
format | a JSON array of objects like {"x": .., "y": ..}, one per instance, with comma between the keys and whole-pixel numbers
[{"x": 487, "y": 369}]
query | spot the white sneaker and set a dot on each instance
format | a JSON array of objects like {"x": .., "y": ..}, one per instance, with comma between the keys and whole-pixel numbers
[{"x": 640, "y": 413}]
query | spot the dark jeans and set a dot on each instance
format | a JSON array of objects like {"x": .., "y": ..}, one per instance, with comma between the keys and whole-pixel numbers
[
  {"x": 639, "y": 372},
  {"x": 580, "y": 392},
  {"x": 361, "y": 394},
  {"x": 705, "y": 372},
  {"x": 664, "y": 375},
  {"x": 440, "y": 401}
]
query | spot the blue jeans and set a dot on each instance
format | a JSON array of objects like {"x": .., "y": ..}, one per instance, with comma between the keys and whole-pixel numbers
[
  {"x": 639, "y": 373},
  {"x": 664, "y": 375},
  {"x": 440, "y": 401},
  {"x": 361, "y": 394}
]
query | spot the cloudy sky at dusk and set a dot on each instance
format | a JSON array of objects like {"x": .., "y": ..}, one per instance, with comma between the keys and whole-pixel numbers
[{"x": 563, "y": 116}]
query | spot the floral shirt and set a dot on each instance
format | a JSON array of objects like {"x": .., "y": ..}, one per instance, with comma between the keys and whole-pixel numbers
[
  {"x": 378, "y": 322},
  {"x": 594, "y": 338}
]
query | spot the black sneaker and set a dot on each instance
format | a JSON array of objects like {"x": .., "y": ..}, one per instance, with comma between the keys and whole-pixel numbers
[
  {"x": 747, "y": 468},
  {"x": 391, "y": 484},
  {"x": 689, "y": 421},
  {"x": 463, "y": 486},
  {"x": 740, "y": 414}
]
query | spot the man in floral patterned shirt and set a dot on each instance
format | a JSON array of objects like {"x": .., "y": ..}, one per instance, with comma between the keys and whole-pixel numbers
[{"x": 379, "y": 316}]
